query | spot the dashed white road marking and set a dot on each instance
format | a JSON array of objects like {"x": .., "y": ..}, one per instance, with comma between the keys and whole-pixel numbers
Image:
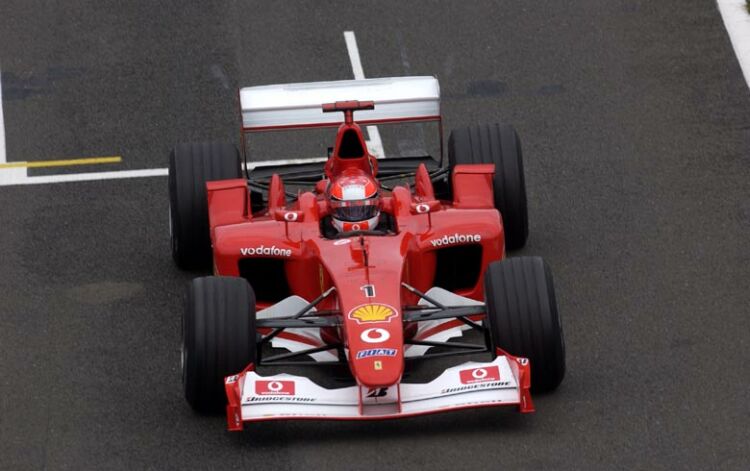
[
  {"x": 737, "y": 22},
  {"x": 375, "y": 144}
]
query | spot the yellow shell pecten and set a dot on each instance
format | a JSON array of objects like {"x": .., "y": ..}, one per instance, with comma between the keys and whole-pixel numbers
[{"x": 373, "y": 313}]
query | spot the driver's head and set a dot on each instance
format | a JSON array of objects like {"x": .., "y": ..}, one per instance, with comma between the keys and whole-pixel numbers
[{"x": 354, "y": 201}]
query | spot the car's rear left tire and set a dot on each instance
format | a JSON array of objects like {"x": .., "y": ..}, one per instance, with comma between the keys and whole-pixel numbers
[
  {"x": 218, "y": 338},
  {"x": 522, "y": 317},
  {"x": 191, "y": 165},
  {"x": 500, "y": 145}
]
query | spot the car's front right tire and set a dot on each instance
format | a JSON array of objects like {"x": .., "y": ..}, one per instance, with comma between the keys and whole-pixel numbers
[{"x": 218, "y": 338}]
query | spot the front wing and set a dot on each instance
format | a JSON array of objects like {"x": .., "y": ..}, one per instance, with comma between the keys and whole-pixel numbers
[{"x": 503, "y": 382}]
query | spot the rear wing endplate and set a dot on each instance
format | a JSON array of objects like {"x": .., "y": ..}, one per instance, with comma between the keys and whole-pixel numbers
[{"x": 299, "y": 105}]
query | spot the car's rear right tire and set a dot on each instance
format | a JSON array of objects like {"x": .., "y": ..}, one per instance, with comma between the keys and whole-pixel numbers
[
  {"x": 522, "y": 317},
  {"x": 218, "y": 338},
  {"x": 191, "y": 165}
]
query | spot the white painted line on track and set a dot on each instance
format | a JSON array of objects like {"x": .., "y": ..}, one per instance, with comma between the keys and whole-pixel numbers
[
  {"x": 18, "y": 176},
  {"x": 351, "y": 47},
  {"x": 737, "y": 22},
  {"x": 91, "y": 176},
  {"x": 375, "y": 144},
  {"x": 12, "y": 176},
  {"x": 3, "y": 156}
]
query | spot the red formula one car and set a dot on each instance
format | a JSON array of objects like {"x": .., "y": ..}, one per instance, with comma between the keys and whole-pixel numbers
[{"x": 355, "y": 260}]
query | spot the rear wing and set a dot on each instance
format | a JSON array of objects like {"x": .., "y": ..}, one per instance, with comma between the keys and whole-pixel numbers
[{"x": 299, "y": 105}]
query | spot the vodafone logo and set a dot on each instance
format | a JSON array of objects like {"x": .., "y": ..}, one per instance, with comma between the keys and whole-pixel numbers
[
  {"x": 456, "y": 239},
  {"x": 375, "y": 335},
  {"x": 356, "y": 226},
  {"x": 422, "y": 208},
  {"x": 274, "y": 388},
  {"x": 263, "y": 250},
  {"x": 479, "y": 375},
  {"x": 291, "y": 216}
]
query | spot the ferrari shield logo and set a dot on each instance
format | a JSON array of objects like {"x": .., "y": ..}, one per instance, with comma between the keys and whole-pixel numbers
[{"x": 372, "y": 313}]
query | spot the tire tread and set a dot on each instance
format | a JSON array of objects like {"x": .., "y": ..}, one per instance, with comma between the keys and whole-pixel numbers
[
  {"x": 219, "y": 335},
  {"x": 523, "y": 319},
  {"x": 191, "y": 165},
  {"x": 500, "y": 145}
]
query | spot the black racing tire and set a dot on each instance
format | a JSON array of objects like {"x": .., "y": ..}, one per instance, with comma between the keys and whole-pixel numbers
[
  {"x": 522, "y": 317},
  {"x": 218, "y": 338},
  {"x": 497, "y": 144},
  {"x": 191, "y": 165}
]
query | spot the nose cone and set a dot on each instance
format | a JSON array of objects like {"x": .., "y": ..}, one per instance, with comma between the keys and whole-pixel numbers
[
  {"x": 376, "y": 353},
  {"x": 369, "y": 298},
  {"x": 375, "y": 335}
]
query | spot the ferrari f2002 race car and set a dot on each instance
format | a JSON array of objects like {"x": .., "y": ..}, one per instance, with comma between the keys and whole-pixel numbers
[{"x": 366, "y": 264}]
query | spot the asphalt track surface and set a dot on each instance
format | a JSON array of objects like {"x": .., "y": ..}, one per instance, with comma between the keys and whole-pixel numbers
[{"x": 636, "y": 127}]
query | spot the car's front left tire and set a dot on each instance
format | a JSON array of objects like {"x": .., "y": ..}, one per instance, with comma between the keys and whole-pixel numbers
[{"x": 523, "y": 319}]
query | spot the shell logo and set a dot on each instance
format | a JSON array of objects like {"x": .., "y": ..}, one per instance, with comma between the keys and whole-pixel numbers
[{"x": 372, "y": 313}]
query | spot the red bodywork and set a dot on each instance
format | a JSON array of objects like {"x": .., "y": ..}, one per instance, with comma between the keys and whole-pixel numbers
[{"x": 312, "y": 264}]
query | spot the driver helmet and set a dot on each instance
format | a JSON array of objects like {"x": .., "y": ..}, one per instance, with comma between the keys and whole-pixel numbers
[{"x": 354, "y": 201}]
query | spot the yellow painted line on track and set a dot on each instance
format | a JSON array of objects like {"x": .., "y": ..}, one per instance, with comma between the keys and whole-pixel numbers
[{"x": 63, "y": 163}]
